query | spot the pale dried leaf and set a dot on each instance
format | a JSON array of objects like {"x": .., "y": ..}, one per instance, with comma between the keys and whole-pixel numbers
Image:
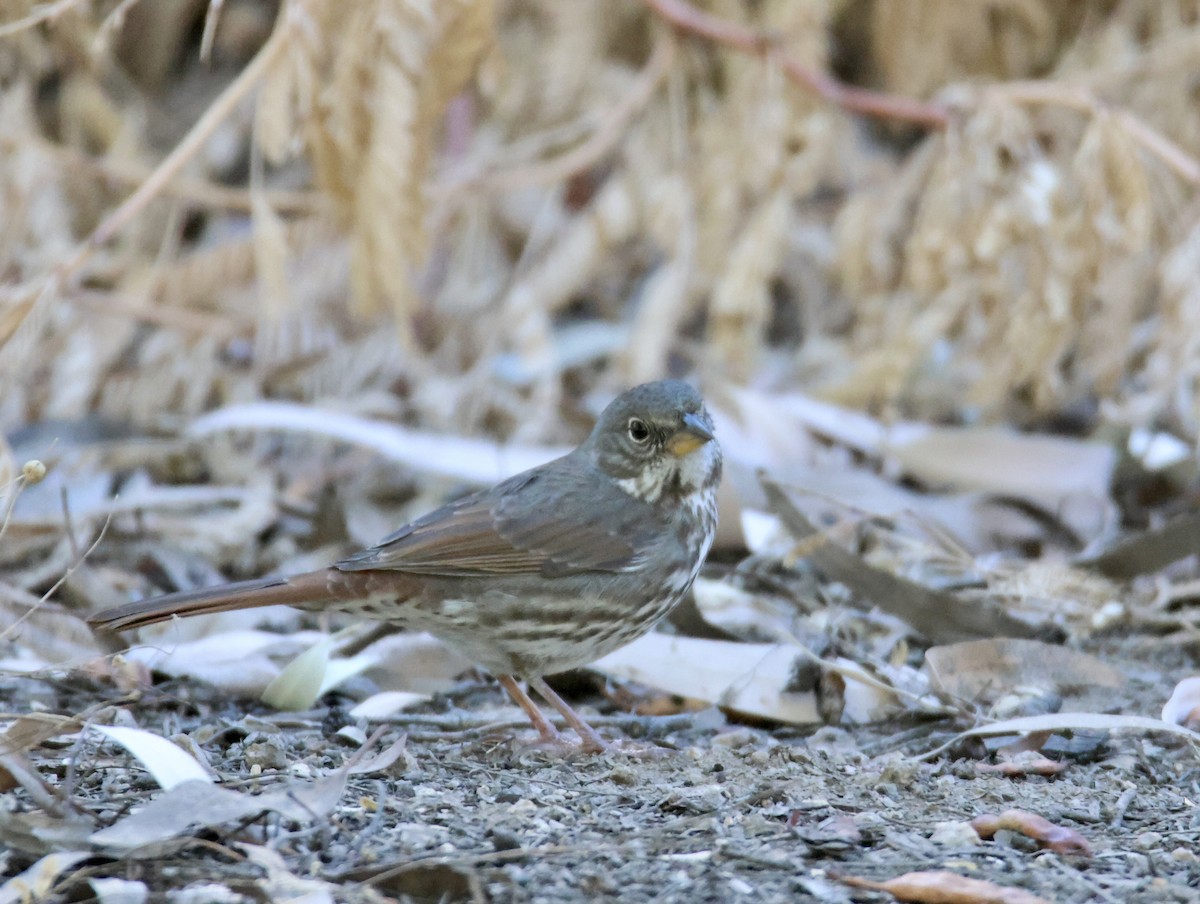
[
  {"x": 167, "y": 763},
  {"x": 1183, "y": 708},
  {"x": 119, "y": 891},
  {"x": 1071, "y": 721},
  {"x": 750, "y": 678},
  {"x": 200, "y": 804},
  {"x": 299, "y": 685},
  {"x": 281, "y": 884},
  {"x": 478, "y": 460},
  {"x": 37, "y": 882},
  {"x": 986, "y": 669},
  {"x": 1001, "y": 461},
  {"x": 386, "y": 703},
  {"x": 239, "y": 661},
  {"x": 944, "y": 887}
]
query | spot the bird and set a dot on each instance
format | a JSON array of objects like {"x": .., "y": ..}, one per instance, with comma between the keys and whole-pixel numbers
[{"x": 544, "y": 572}]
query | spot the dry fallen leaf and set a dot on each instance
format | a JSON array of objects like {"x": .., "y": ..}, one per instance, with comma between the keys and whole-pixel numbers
[
  {"x": 299, "y": 685},
  {"x": 238, "y": 661},
  {"x": 1022, "y": 763},
  {"x": 1148, "y": 551},
  {"x": 119, "y": 891},
  {"x": 1065, "y": 722},
  {"x": 37, "y": 882},
  {"x": 196, "y": 803},
  {"x": 1007, "y": 463},
  {"x": 280, "y": 884},
  {"x": 749, "y": 678},
  {"x": 31, "y": 729},
  {"x": 984, "y": 670},
  {"x": 939, "y": 615},
  {"x": 1059, "y": 839},
  {"x": 167, "y": 764},
  {"x": 386, "y": 703},
  {"x": 1183, "y": 707},
  {"x": 939, "y": 887},
  {"x": 481, "y": 461}
]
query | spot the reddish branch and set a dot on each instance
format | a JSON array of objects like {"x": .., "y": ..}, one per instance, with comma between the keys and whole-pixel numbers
[{"x": 685, "y": 17}]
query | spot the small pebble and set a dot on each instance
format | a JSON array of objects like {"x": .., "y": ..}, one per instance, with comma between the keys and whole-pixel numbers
[
  {"x": 740, "y": 887},
  {"x": 1184, "y": 855},
  {"x": 627, "y": 778},
  {"x": 738, "y": 737},
  {"x": 954, "y": 835},
  {"x": 1148, "y": 841},
  {"x": 504, "y": 840},
  {"x": 352, "y": 735}
]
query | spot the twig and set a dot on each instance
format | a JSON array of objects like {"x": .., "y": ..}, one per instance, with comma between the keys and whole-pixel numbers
[
  {"x": 195, "y": 191},
  {"x": 1121, "y": 806},
  {"x": 653, "y": 842},
  {"x": 68, "y": 523},
  {"x": 211, "y": 17},
  {"x": 66, "y": 574},
  {"x": 17, "y": 484},
  {"x": 112, "y": 23},
  {"x": 685, "y": 17},
  {"x": 468, "y": 724},
  {"x": 1178, "y": 160},
  {"x": 217, "y": 327}
]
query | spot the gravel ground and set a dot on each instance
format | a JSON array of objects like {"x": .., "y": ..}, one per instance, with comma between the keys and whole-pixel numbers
[{"x": 688, "y": 808}]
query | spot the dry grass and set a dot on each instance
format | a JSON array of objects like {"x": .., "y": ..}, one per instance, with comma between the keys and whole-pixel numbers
[{"x": 429, "y": 195}]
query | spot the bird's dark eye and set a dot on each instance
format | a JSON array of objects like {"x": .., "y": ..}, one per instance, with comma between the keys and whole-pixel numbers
[{"x": 638, "y": 431}]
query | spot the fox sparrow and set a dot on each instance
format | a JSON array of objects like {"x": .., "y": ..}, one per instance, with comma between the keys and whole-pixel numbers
[{"x": 546, "y": 571}]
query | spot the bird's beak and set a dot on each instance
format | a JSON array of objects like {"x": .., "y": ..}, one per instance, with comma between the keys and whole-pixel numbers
[{"x": 690, "y": 437}]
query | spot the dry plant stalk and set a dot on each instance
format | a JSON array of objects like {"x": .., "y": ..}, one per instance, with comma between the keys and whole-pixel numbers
[
  {"x": 364, "y": 88},
  {"x": 1027, "y": 253},
  {"x": 689, "y": 174}
]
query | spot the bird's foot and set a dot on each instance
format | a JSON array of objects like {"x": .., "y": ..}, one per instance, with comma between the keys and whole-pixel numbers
[{"x": 549, "y": 736}]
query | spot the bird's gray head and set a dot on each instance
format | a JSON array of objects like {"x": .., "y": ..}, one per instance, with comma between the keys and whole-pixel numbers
[{"x": 657, "y": 441}]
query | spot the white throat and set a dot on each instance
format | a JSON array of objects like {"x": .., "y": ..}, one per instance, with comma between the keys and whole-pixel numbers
[{"x": 693, "y": 472}]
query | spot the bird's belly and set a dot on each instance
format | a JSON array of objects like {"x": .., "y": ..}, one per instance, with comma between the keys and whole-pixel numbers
[
  {"x": 541, "y": 635},
  {"x": 529, "y": 635}
]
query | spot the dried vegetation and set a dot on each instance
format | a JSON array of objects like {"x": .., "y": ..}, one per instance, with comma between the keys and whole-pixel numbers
[
  {"x": 275, "y": 276},
  {"x": 432, "y": 192}
]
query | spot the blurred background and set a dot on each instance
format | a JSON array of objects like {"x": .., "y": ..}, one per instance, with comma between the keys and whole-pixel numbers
[
  {"x": 469, "y": 214},
  {"x": 277, "y": 276}
]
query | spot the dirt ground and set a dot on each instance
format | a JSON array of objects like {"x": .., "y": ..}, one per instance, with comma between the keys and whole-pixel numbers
[{"x": 691, "y": 807}]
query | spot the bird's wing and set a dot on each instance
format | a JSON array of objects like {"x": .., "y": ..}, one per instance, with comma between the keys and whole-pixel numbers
[{"x": 551, "y": 520}]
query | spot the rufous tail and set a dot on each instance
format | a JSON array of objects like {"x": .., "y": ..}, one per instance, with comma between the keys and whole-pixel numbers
[{"x": 299, "y": 590}]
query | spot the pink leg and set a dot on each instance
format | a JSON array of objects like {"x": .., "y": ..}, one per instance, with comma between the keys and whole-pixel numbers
[
  {"x": 591, "y": 741},
  {"x": 544, "y": 728}
]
